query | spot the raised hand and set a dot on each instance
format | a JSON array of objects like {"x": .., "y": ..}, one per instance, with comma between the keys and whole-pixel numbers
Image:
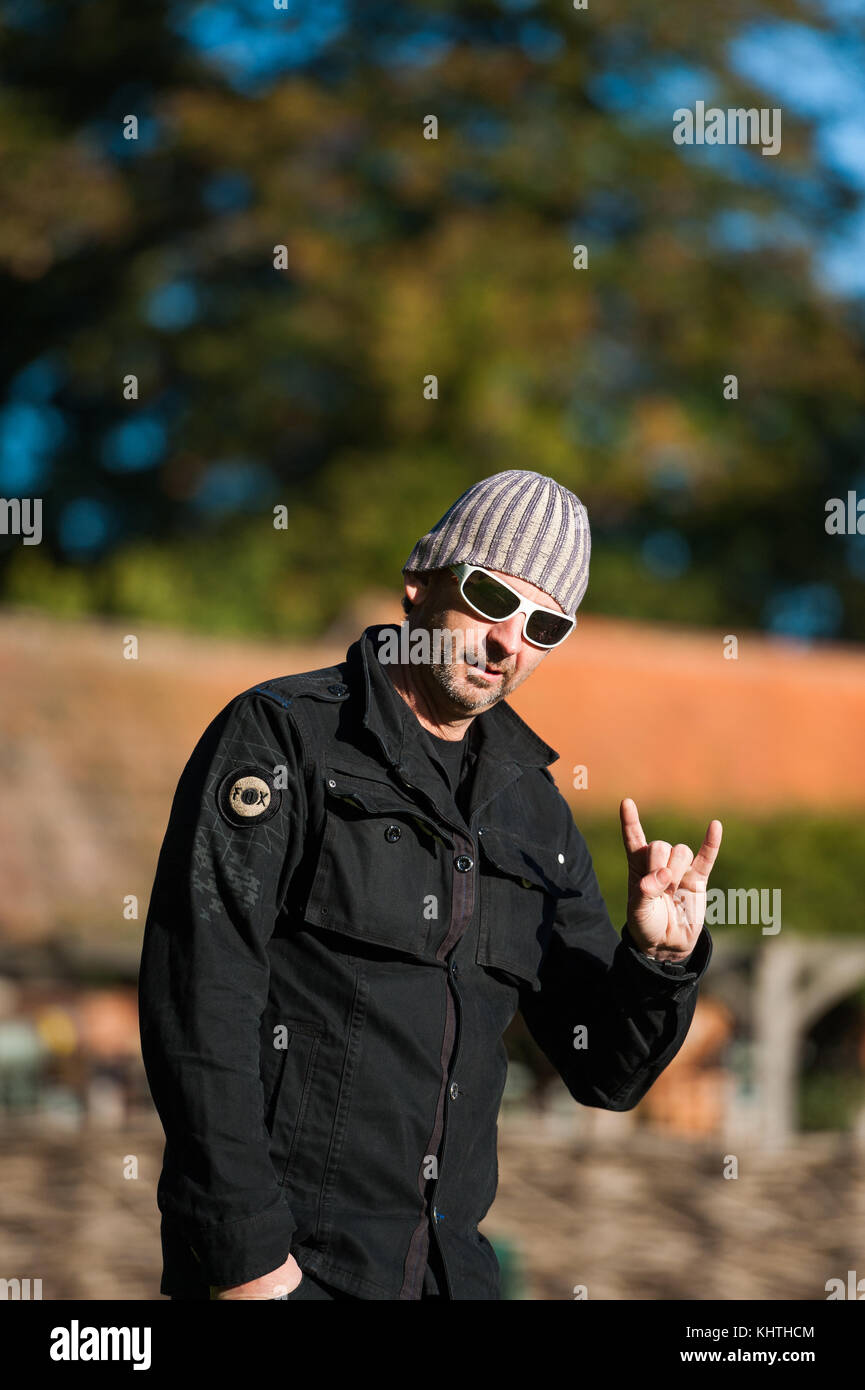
[{"x": 666, "y": 888}]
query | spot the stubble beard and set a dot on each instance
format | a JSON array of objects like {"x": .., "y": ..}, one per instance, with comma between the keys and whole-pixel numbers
[{"x": 468, "y": 694}]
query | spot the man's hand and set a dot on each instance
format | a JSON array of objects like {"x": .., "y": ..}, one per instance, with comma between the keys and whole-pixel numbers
[
  {"x": 666, "y": 888},
  {"x": 273, "y": 1285}
]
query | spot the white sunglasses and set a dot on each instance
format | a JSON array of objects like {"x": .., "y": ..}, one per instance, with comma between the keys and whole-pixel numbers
[{"x": 495, "y": 600}]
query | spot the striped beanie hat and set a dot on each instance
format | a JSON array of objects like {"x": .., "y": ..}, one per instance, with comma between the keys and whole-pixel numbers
[{"x": 518, "y": 523}]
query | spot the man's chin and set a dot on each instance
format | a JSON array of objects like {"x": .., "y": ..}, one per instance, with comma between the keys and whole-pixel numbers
[{"x": 471, "y": 689}]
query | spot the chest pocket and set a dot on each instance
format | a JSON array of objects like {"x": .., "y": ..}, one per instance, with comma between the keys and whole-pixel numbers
[
  {"x": 522, "y": 886},
  {"x": 384, "y": 869}
]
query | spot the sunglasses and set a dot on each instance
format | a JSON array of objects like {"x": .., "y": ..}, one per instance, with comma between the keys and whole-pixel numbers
[{"x": 494, "y": 599}]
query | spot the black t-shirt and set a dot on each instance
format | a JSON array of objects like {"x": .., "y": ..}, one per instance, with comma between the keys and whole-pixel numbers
[{"x": 455, "y": 760}]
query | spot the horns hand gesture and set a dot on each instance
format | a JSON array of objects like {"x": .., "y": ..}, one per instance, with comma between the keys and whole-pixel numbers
[{"x": 666, "y": 888}]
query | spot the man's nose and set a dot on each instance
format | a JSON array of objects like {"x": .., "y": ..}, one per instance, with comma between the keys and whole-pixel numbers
[{"x": 508, "y": 634}]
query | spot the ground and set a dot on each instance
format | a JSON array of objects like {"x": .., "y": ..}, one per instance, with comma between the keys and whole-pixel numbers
[{"x": 628, "y": 1216}]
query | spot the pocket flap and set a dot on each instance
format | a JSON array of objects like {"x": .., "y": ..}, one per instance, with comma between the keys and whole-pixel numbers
[
  {"x": 537, "y": 866},
  {"x": 519, "y": 901},
  {"x": 379, "y": 798},
  {"x": 368, "y": 793}
]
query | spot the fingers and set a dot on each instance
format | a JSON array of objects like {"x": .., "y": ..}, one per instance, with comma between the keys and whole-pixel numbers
[
  {"x": 708, "y": 851},
  {"x": 681, "y": 858},
  {"x": 660, "y": 867},
  {"x": 667, "y": 863},
  {"x": 632, "y": 831},
  {"x": 659, "y": 854}
]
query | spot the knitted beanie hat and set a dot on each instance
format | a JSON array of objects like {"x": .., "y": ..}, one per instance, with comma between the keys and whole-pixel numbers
[{"x": 518, "y": 523}]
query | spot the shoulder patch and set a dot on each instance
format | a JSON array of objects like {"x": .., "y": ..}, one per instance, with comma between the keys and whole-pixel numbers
[{"x": 247, "y": 796}]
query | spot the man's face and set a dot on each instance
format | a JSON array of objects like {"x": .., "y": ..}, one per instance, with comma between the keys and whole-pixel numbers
[{"x": 503, "y": 658}]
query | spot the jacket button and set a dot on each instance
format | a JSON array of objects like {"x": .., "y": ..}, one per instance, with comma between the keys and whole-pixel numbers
[
  {"x": 464, "y": 862},
  {"x": 331, "y": 782},
  {"x": 455, "y": 1090},
  {"x": 455, "y": 970},
  {"x": 392, "y": 834},
  {"x": 337, "y": 690}
]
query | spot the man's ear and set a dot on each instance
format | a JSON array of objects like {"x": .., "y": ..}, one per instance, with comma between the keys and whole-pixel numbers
[{"x": 416, "y": 586}]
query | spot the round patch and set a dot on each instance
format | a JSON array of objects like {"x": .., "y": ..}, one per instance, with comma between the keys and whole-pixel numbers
[{"x": 247, "y": 796}]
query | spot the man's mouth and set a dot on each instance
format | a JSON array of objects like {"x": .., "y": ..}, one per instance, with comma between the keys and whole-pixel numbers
[{"x": 489, "y": 672}]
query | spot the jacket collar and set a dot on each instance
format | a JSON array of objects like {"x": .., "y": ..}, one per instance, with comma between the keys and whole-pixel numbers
[{"x": 505, "y": 737}]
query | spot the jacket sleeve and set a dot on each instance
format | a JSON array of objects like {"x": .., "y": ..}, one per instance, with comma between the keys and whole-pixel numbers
[
  {"x": 228, "y": 852},
  {"x": 635, "y": 1011}
]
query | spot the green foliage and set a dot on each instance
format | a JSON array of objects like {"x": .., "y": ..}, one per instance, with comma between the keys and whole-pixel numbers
[
  {"x": 408, "y": 258},
  {"x": 830, "y": 1100},
  {"x": 815, "y": 861}
]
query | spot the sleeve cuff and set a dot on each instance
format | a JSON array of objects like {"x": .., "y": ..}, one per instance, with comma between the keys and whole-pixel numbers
[
  {"x": 235, "y": 1252},
  {"x": 664, "y": 977}
]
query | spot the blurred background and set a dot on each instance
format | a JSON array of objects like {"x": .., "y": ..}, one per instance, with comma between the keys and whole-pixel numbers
[{"x": 230, "y": 264}]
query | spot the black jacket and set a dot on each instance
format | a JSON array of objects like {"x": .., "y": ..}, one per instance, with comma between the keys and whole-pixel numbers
[{"x": 330, "y": 959}]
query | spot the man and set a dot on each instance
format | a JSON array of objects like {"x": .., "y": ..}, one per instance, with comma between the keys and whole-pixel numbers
[{"x": 367, "y": 870}]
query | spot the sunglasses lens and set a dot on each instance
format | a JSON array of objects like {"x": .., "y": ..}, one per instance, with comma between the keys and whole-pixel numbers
[
  {"x": 547, "y": 628},
  {"x": 488, "y": 595}
]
